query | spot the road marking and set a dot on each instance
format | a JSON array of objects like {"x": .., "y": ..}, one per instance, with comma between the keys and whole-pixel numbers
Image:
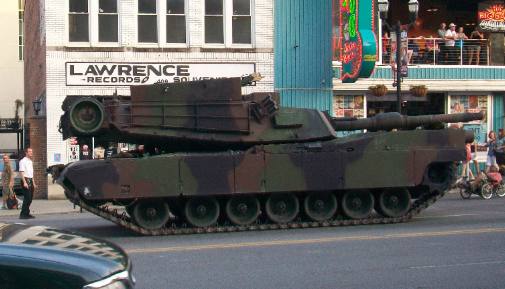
[
  {"x": 446, "y": 216},
  {"x": 313, "y": 241},
  {"x": 457, "y": 265}
]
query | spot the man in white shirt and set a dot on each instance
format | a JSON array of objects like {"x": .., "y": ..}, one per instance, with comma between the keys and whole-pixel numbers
[
  {"x": 450, "y": 40},
  {"x": 26, "y": 172}
]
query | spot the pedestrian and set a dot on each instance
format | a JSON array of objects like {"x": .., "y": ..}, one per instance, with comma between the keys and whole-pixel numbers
[
  {"x": 474, "y": 158},
  {"x": 460, "y": 42},
  {"x": 450, "y": 41},
  {"x": 491, "y": 151},
  {"x": 501, "y": 139},
  {"x": 477, "y": 42},
  {"x": 7, "y": 181},
  {"x": 441, "y": 34},
  {"x": 29, "y": 186},
  {"x": 466, "y": 173}
]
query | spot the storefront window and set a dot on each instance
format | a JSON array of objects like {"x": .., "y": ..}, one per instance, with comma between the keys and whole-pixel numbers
[
  {"x": 348, "y": 106},
  {"x": 472, "y": 103}
]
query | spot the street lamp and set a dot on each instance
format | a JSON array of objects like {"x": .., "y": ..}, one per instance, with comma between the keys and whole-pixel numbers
[
  {"x": 383, "y": 6},
  {"x": 37, "y": 103}
]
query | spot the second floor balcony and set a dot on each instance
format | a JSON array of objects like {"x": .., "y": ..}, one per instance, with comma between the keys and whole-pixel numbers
[
  {"x": 466, "y": 66},
  {"x": 436, "y": 51}
]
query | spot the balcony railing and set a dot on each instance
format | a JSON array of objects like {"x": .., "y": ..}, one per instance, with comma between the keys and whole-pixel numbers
[{"x": 434, "y": 51}]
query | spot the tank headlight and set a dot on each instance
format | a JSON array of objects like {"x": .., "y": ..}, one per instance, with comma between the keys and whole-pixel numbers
[{"x": 121, "y": 280}]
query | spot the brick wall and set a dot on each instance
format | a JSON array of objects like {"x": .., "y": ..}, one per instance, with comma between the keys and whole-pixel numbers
[
  {"x": 38, "y": 145},
  {"x": 35, "y": 85},
  {"x": 35, "y": 54}
]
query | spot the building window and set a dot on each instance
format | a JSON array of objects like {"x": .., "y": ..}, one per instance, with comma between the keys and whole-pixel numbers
[
  {"x": 78, "y": 20},
  {"x": 472, "y": 103},
  {"x": 228, "y": 22},
  {"x": 349, "y": 106},
  {"x": 241, "y": 22},
  {"x": 93, "y": 21},
  {"x": 21, "y": 41},
  {"x": 214, "y": 21},
  {"x": 147, "y": 21},
  {"x": 176, "y": 21},
  {"x": 107, "y": 21}
]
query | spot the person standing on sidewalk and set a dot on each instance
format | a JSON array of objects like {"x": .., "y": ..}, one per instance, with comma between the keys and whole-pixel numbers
[
  {"x": 26, "y": 171},
  {"x": 7, "y": 180}
]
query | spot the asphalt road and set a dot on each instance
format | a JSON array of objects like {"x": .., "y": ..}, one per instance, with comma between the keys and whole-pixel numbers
[{"x": 454, "y": 244}]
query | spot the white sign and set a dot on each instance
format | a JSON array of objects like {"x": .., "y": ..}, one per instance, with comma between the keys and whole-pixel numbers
[
  {"x": 73, "y": 153},
  {"x": 117, "y": 74}
]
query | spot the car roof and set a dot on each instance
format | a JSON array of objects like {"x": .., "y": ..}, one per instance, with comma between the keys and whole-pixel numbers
[{"x": 67, "y": 252}]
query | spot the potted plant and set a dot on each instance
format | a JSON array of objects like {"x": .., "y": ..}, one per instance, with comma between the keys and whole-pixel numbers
[
  {"x": 419, "y": 90},
  {"x": 378, "y": 90}
]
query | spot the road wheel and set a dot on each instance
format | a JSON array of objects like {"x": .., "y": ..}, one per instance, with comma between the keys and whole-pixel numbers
[
  {"x": 282, "y": 208},
  {"x": 393, "y": 203},
  {"x": 320, "y": 206},
  {"x": 242, "y": 210},
  {"x": 150, "y": 214},
  {"x": 357, "y": 204},
  {"x": 486, "y": 191},
  {"x": 202, "y": 211}
]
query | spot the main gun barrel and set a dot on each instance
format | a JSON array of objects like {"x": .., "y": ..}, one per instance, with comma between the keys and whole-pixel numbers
[{"x": 394, "y": 120}]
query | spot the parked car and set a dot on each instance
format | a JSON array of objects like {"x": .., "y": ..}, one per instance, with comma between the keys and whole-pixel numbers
[
  {"x": 17, "y": 176},
  {"x": 43, "y": 257}
]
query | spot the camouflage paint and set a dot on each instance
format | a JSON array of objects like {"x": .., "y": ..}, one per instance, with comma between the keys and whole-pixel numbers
[
  {"x": 371, "y": 160},
  {"x": 211, "y": 152}
]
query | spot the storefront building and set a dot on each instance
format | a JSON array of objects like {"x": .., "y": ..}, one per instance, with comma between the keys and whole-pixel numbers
[
  {"x": 98, "y": 48},
  {"x": 469, "y": 77}
]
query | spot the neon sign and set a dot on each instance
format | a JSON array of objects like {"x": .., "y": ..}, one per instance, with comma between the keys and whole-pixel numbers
[
  {"x": 358, "y": 47},
  {"x": 494, "y": 13},
  {"x": 492, "y": 17}
]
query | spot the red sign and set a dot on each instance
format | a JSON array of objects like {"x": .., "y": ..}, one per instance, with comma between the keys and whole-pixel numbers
[
  {"x": 495, "y": 12},
  {"x": 492, "y": 16}
]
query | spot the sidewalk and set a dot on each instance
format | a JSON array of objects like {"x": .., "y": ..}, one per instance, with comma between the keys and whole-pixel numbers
[
  {"x": 57, "y": 203},
  {"x": 42, "y": 207}
]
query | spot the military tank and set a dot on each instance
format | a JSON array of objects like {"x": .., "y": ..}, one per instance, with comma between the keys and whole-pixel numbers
[{"x": 219, "y": 161}]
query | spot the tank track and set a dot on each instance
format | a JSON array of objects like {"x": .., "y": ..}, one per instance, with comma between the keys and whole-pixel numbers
[{"x": 123, "y": 219}]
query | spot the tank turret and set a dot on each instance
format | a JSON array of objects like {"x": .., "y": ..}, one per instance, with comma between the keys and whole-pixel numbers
[{"x": 213, "y": 112}]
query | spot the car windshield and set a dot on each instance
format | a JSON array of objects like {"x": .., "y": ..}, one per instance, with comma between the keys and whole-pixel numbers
[{"x": 13, "y": 165}]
